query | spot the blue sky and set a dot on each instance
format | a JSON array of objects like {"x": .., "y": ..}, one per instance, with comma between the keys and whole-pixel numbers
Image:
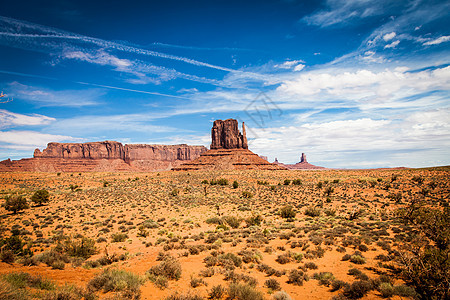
[{"x": 352, "y": 83}]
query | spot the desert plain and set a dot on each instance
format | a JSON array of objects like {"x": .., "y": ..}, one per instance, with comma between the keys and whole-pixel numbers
[{"x": 218, "y": 234}]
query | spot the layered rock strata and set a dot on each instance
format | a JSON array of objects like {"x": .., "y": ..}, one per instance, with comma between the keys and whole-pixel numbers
[
  {"x": 229, "y": 151},
  {"x": 104, "y": 156}
]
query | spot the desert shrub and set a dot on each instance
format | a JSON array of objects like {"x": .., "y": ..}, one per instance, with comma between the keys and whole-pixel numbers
[
  {"x": 312, "y": 211},
  {"x": 40, "y": 197},
  {"x": 328, "y": 191},
  {"x": 254, "y": 220},
  {"x": 15, "y": 203},
  {"x": 337, "y": 285},
  {"x": 404, "y": 291},
  {"x": 358, "y": 289},
  {"x": 284, "y": 258},
  {"x": 386, "y": 290},
  {"x": 287, "y": 212},
  {"x": 425, "y": 260},
  {"x": 196, "y": 282},
  {"x": 287, "y": 182},
  {"x": 216, "y": 292},
  {"x": 247, "y": 194},
  {"x": 175, "y": 192},
  {"x": 281, "y": 295},
  {"x": 119, "y": 237},
  {"x": 297, "y": 277},
  {"x": 244, "y": 292},
  {"x": 78, "y": 247},
  {"x": 235, "y": 184},
  {"x": 222, "y": 181},
  {"x": 178, "y": 296},
  {"x": 205, "y": 181},
  {"x": 310, "y": 265},
  {"x": 233, "y": 221},
  {"x": 214, "y": 220},
  {"x": 127, "y": 284},
  {"x": 324, "y": 278},
  {"x": 296, "y": 182},
  {"x": 11, "y": 247},
  {"x": 170, "y": 268},
  {"x": 272, "y": 284},
  {"x": 357, "y": 259}
]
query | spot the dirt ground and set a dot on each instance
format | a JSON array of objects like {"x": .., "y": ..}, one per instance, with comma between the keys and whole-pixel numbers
[{"x": 337, "y": 212}]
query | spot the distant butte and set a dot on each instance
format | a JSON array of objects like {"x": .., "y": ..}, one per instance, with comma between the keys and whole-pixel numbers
[
  {"x": 302, "y": 165},
  {"x": 107, "y": 156},
  {"x": 229, "y": 151}
]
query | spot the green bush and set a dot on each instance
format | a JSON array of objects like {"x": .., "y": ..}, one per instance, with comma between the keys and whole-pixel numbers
[
  {"x": 222, "y": 181},
  {"x": 296, "y": 182},
  {"x": 127, "y": 284},
  {"x": 254, "y": 220},
  {"x": 15, "y": 203},
  {"x": 244, "y": 292},
  {"x": 386, "y": 290},
  {"x": 287, "y": 212},
  {"x": 119, "y": 237},
  {"x": 232, "y": 221},
  {"x": 170, "y": 268},
  {"x": 272, "y": 284},
  {"x": 287, "y": 182},
  {"x": 40, "y": 197},
  {"x": 235, "y": 184},
  {"x": 312, "y": 211}
]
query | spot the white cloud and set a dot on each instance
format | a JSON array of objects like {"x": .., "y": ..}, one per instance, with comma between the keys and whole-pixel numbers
[
  {"x": 340, "y": 12},
  {"x": 424, "y": 136},
  {"x": 289, "y": 64},
  {"x": 392, "y": 45},
  {"x": 31, "y": 138},
  {"x": 438, "y": 41},
  {"x": 8, "y": 119},
  {"x": 389, "y": 36},
  {"x": 299, "y": 67},
  {"x": 364, "y": 85}
]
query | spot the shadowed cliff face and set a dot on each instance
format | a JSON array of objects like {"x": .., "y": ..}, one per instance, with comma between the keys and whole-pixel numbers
[
  {"x": 107, "y": 156},
  {"x": 115, "y": 150},
  {"x": 226, "y": 135}
]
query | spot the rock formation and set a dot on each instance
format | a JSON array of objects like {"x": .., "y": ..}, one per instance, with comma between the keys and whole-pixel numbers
[
  {"x": 303, "y": 158},
  {"x": 229, "y": 151},
  {"x": 302, "y": 165},
  {"x": 104, "y": 156},
  {"x": 226, "y": 135}
]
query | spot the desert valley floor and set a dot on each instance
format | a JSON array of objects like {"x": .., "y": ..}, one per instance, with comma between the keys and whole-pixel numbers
[{"x": 179, "y": 235}]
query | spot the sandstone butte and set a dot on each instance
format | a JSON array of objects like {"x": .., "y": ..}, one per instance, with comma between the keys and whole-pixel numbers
[
  {"x": 302, "y": 165},
  {"x": 229, "y": 151},
  {"x": 104, "y": 156}
]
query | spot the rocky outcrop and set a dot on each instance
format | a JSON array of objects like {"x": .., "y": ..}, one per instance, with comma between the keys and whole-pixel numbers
[
  {"x": 303, "y": 158},
  {"x": 104, "y": 156},
  {"x": 226, "y": 135},
  {"x": 302, "y": 165},
  {"x": 93, "y": 150},
  {"x": 228, "y": 151}
]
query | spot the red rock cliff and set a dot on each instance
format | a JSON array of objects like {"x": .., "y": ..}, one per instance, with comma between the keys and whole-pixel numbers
[
  {"x": 226, "y": 135},
  {"x": 93, "y": 150}
]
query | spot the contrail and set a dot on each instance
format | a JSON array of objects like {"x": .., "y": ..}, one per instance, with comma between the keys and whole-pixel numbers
[
  {"x": 56, "y": 33},
  {"x": 94, "y": 84}
]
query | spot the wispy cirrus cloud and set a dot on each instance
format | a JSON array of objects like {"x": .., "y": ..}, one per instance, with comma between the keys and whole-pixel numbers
[
  {"x": 341, "y": 12},
  {"x": 46, "y": 97},
  {"x": 10, "y": 119},
  {"x": 69, "y": 45},
  {"x": 439, "y": 40}
]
